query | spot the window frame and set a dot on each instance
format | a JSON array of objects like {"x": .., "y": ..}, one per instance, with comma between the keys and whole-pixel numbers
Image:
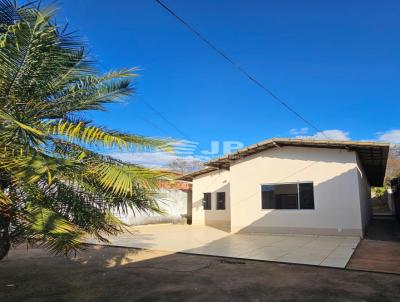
[
  {"x": 298, "y": 195},
  {"x": 217, "y": 208},
  {"x": 204, "y": 201}
]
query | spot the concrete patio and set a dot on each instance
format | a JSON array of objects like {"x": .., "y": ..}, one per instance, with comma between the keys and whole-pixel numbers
[{"x": 328, "y": 251}]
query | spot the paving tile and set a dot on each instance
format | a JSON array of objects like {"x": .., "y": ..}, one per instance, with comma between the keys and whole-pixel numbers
[
  {"x": 310, "y": 252},
  {"x": 335, "y": 262},
  {"x": 328, "y": 246},
  {"x": 350, "y": 242},
  {"x": 288, "y": 242},
  {"x": 204, "y": 251},
  {"x": 266, "y": 253},
  {"x": 342, "y": 251},
  {"x": 315, "y": 250},
  {"x": 301, "y": 259}
]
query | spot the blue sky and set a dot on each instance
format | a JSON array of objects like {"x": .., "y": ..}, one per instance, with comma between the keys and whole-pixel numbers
[{"x": 335, "y": 62}]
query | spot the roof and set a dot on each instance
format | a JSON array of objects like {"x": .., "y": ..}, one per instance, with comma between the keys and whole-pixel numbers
[
  {"x": 373, "y": 155},
  {"x": 170, "y": 183},
  {"x": 190, "y": 176}
]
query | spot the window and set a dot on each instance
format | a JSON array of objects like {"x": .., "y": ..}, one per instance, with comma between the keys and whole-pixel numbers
[
  {"x": 207, "y": 201},
  {"x": 220, "y": 200},
  {"x": 306, "y": 193},
  {"x": 287, "y": 196}
]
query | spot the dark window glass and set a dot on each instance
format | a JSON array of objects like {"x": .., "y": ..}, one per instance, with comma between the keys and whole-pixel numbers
[
  {"x": 268, "y": 197},
  {"x": 286, "y": 196},
  {"x": 220, "y": 200},
  {"x": 306, "y": 196},
  {"x": 279, "y": 196},
  {"x": 207, "y": 201}
]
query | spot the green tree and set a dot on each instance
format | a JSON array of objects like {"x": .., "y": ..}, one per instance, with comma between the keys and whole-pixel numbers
[{"x": 55, "y": 184}]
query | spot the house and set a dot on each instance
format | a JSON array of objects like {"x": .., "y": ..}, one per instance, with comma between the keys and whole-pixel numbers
[{"x": 293, "y": 186}]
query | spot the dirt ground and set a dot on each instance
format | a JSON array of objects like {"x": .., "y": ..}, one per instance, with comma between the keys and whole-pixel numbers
[{"x": 121, "y": 274}]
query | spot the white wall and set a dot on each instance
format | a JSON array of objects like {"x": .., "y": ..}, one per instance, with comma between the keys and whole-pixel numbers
[
  {"x": 172, "y": 201},
  {"x": 365, "y": 195},
  {"x": 217, "y": 181},
  {"x": 334, "y": 174}
]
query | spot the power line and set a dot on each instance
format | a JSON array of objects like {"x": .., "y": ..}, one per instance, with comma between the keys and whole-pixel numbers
[
  {"x": 166, "y": 120},
  {"x": 157, "y": 112},
  {"x": 238, "y": 67},
  {"x": 154, "y": 125}
]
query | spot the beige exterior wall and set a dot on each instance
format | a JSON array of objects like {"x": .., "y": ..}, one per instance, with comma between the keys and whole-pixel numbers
[
  {"x": 340, "y": 192},
  {"x": 336, "y": 196},
  {"x": 365, "y": 195},
  {"x": 213, "y": 182}
]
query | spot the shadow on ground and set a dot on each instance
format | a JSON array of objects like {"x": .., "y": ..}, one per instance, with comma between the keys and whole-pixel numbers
[
  {"x": 384, "y": 228},
  {"x": 122, "y": 274}
]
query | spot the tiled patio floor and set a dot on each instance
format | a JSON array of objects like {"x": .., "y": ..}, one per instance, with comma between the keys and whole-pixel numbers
[
  {"x": 377, "y": 256},
  {"x": 315, "y": 250}
]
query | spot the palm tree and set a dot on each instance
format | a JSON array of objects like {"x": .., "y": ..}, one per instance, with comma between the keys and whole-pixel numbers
[{"x": 56, "y": 184}]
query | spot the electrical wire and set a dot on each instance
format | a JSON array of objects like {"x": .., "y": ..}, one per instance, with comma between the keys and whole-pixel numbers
[{"x": 239, "y": 68}]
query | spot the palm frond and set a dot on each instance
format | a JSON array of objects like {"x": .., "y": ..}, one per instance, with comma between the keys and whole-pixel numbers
[
  {"x": 51, "y": 230},
  {"x": 82, "y": 133},
  {"x": 55, "y": 183},
  {"x": 35, "y": 166},
  {"x": 121, "y": 178}
]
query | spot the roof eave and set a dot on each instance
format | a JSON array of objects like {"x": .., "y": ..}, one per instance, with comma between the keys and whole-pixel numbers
[{"x": 224, "y": 161}]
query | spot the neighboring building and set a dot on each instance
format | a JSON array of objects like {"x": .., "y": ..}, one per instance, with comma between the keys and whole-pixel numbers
[
  {"x": 173, "y": 199},
  {"x": 290, "y": 186}
]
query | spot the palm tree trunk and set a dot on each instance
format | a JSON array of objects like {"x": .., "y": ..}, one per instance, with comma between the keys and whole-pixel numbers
[{"x": 4, "y": 236}]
